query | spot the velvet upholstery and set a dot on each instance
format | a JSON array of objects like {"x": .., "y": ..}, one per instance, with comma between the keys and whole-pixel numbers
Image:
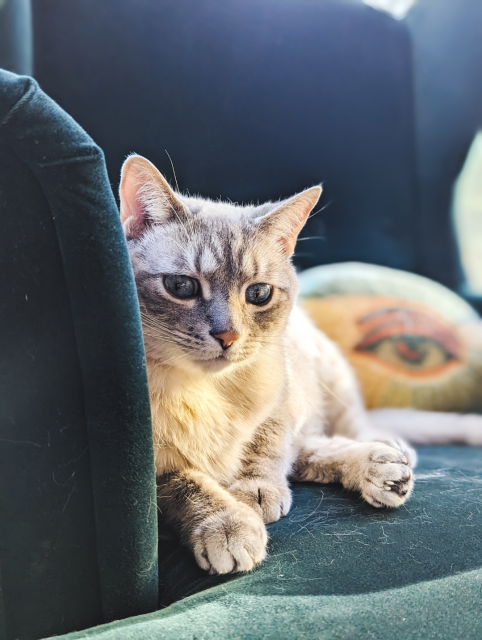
[
  {"x": 322, "y": 93},
  {"x": 338, "y": 569},
  {"x": 78, "y": 536},
  {"x": 253, "y": 100},
  {"x": 447, "y": 55},
  {"x": 346, "y": 68},
  {"x": 16, "y": 46}
]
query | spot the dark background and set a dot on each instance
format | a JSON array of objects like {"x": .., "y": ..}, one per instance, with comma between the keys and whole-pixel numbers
[{"x": 255, "y": 100}]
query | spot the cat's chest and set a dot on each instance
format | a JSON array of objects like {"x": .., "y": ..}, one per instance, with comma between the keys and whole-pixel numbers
[{"x": 205, "y": 427}]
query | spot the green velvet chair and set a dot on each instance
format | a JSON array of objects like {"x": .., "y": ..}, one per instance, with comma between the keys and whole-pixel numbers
[
  {"x": 340, "y": 570},
  {"x": 78, "y": 515},
  {"x": 78, "y": 531}
]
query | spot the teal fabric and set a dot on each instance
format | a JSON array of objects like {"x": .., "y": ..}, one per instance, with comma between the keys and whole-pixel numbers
[
  {"x": 339, "y": 569},
  {"x": 78, "y": 534},
  {"x": 16, "y": 36}
]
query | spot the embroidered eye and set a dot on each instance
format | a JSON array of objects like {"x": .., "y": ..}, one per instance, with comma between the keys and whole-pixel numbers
[
  {"x": 408, "y": 340},
  {"x": 259, "y": 294},
  {"x": 181, "y": 287},
  {"x": 410, "y": 352}
]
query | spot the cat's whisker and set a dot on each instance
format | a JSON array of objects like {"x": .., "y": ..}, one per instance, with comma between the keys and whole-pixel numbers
[
  {"x": 272, "y": 340},
  {"x": 153, "y": 322},
  {"x": 176, "y": 339},
  {"x": 271, "y": 346},
  {"x": 173, "y": 170},
  {"x": 168, "y": 337},
  {"x": 325, "y": 206},
  {"x": 165, "y": 199},
  {"x": 333, "y": 394},
  {"x": 163, "y": 338},
  {"x": 270, "y": 349},
  {"x": 173, "y": 336},
  {"x": 177, "y": 188},
  {"x": 173, "y": 360},
  {"x": 158, "y": 326}
]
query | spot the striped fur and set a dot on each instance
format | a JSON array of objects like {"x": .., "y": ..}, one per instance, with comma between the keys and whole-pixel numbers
[{"x": 232, "y": 426}]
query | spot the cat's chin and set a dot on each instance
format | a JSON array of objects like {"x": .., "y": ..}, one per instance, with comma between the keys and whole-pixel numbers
[{"x": 215, "y": 365}]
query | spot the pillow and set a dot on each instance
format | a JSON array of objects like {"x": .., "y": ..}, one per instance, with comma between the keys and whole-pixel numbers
[{"x": 411, "y": 341}]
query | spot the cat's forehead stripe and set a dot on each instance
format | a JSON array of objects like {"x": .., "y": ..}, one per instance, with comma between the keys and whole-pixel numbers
[
  {"x": 229, "y": 251},
  {"x": 207, "y": 261}
]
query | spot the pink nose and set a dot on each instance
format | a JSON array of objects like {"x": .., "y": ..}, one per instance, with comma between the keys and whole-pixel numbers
[{"x": 227, "y": 338}]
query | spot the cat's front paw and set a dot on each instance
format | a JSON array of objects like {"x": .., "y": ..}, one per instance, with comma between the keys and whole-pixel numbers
[
  {"x": 229, "y": 541},
  {"x": 385, "y": 476},
  {"x": 269, "y": 497}
]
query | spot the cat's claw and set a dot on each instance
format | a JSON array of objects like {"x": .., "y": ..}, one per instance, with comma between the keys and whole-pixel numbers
[
  {"x": 270, "y": 498},
  {"x": 386, "y": 479},
  {"x": 230, "y": 541}
]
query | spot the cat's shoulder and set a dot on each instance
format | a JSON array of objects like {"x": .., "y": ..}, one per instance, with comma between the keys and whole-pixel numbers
[
  {"x": 305, "y": 336},
  {"x": 301, "y": 328}
]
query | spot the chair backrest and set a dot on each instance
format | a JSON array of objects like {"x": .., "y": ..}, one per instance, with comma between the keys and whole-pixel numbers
[
  {"x": 78, "y": 535},
  {"x": 447, "y": 46},
  {"x": 253, "y": 100},
  {"x": 16, "y": 47}
]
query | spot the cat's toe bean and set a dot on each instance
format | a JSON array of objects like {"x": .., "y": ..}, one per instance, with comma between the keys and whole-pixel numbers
[
  {"x": 230, "y": 541},
  {"x": 270, "y": 498}
]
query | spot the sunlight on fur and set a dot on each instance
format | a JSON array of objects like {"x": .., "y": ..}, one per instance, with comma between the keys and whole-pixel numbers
[{"x": 246, "y": 394}]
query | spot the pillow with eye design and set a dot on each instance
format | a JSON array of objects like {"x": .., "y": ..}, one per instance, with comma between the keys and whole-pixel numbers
[{"x": 411, "y": 341}]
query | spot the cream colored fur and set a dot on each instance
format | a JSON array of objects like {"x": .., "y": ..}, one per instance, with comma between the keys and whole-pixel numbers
[{"x": 232, "y": 426}]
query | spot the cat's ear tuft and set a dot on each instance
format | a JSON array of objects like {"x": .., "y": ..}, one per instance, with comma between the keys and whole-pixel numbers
[
  {"x": 289, "y": 217},
  {"x": 145, "y": 197}
]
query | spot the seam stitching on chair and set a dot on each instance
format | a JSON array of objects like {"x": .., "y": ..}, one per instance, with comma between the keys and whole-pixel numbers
[{"x": 26, "y": 96}]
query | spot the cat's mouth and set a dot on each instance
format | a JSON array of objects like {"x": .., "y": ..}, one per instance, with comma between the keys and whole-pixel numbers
[{"x": 215, "y": 364}]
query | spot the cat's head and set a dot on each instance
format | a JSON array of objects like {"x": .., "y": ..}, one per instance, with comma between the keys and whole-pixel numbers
[{"x": 215, "y": 280}]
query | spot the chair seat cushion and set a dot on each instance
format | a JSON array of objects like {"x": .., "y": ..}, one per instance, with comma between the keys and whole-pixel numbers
[{"x": 338, "y": 569}]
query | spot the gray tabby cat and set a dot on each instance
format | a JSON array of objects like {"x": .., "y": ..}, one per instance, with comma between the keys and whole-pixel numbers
[{"x": 245, "y": 392}]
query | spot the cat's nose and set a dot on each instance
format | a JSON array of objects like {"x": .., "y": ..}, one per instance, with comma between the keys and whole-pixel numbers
[{"x": 226, "y": 339}]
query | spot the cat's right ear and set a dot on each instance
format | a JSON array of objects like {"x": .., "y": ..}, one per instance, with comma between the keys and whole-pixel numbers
[{"x": 145, "y": 197}]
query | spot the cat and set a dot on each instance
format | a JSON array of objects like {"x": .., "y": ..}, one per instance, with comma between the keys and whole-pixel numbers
[{"x": 246, "y": 394}]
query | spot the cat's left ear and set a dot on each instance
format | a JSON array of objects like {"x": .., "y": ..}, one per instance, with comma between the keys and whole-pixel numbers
[{"x": 286, "y": 221}]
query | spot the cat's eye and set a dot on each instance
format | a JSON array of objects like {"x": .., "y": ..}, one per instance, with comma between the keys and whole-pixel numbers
[
  {"x": 259, "y": 293},
  {"x": 182, "y": 287}
]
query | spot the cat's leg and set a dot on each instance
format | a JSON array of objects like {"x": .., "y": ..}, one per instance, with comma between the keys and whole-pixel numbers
[
  {"x": 380, "y": 472},
  {"x": 262, "y": 482},
  {"x": 225, "y": 535},
  {"x": 346, "y": 415}
]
